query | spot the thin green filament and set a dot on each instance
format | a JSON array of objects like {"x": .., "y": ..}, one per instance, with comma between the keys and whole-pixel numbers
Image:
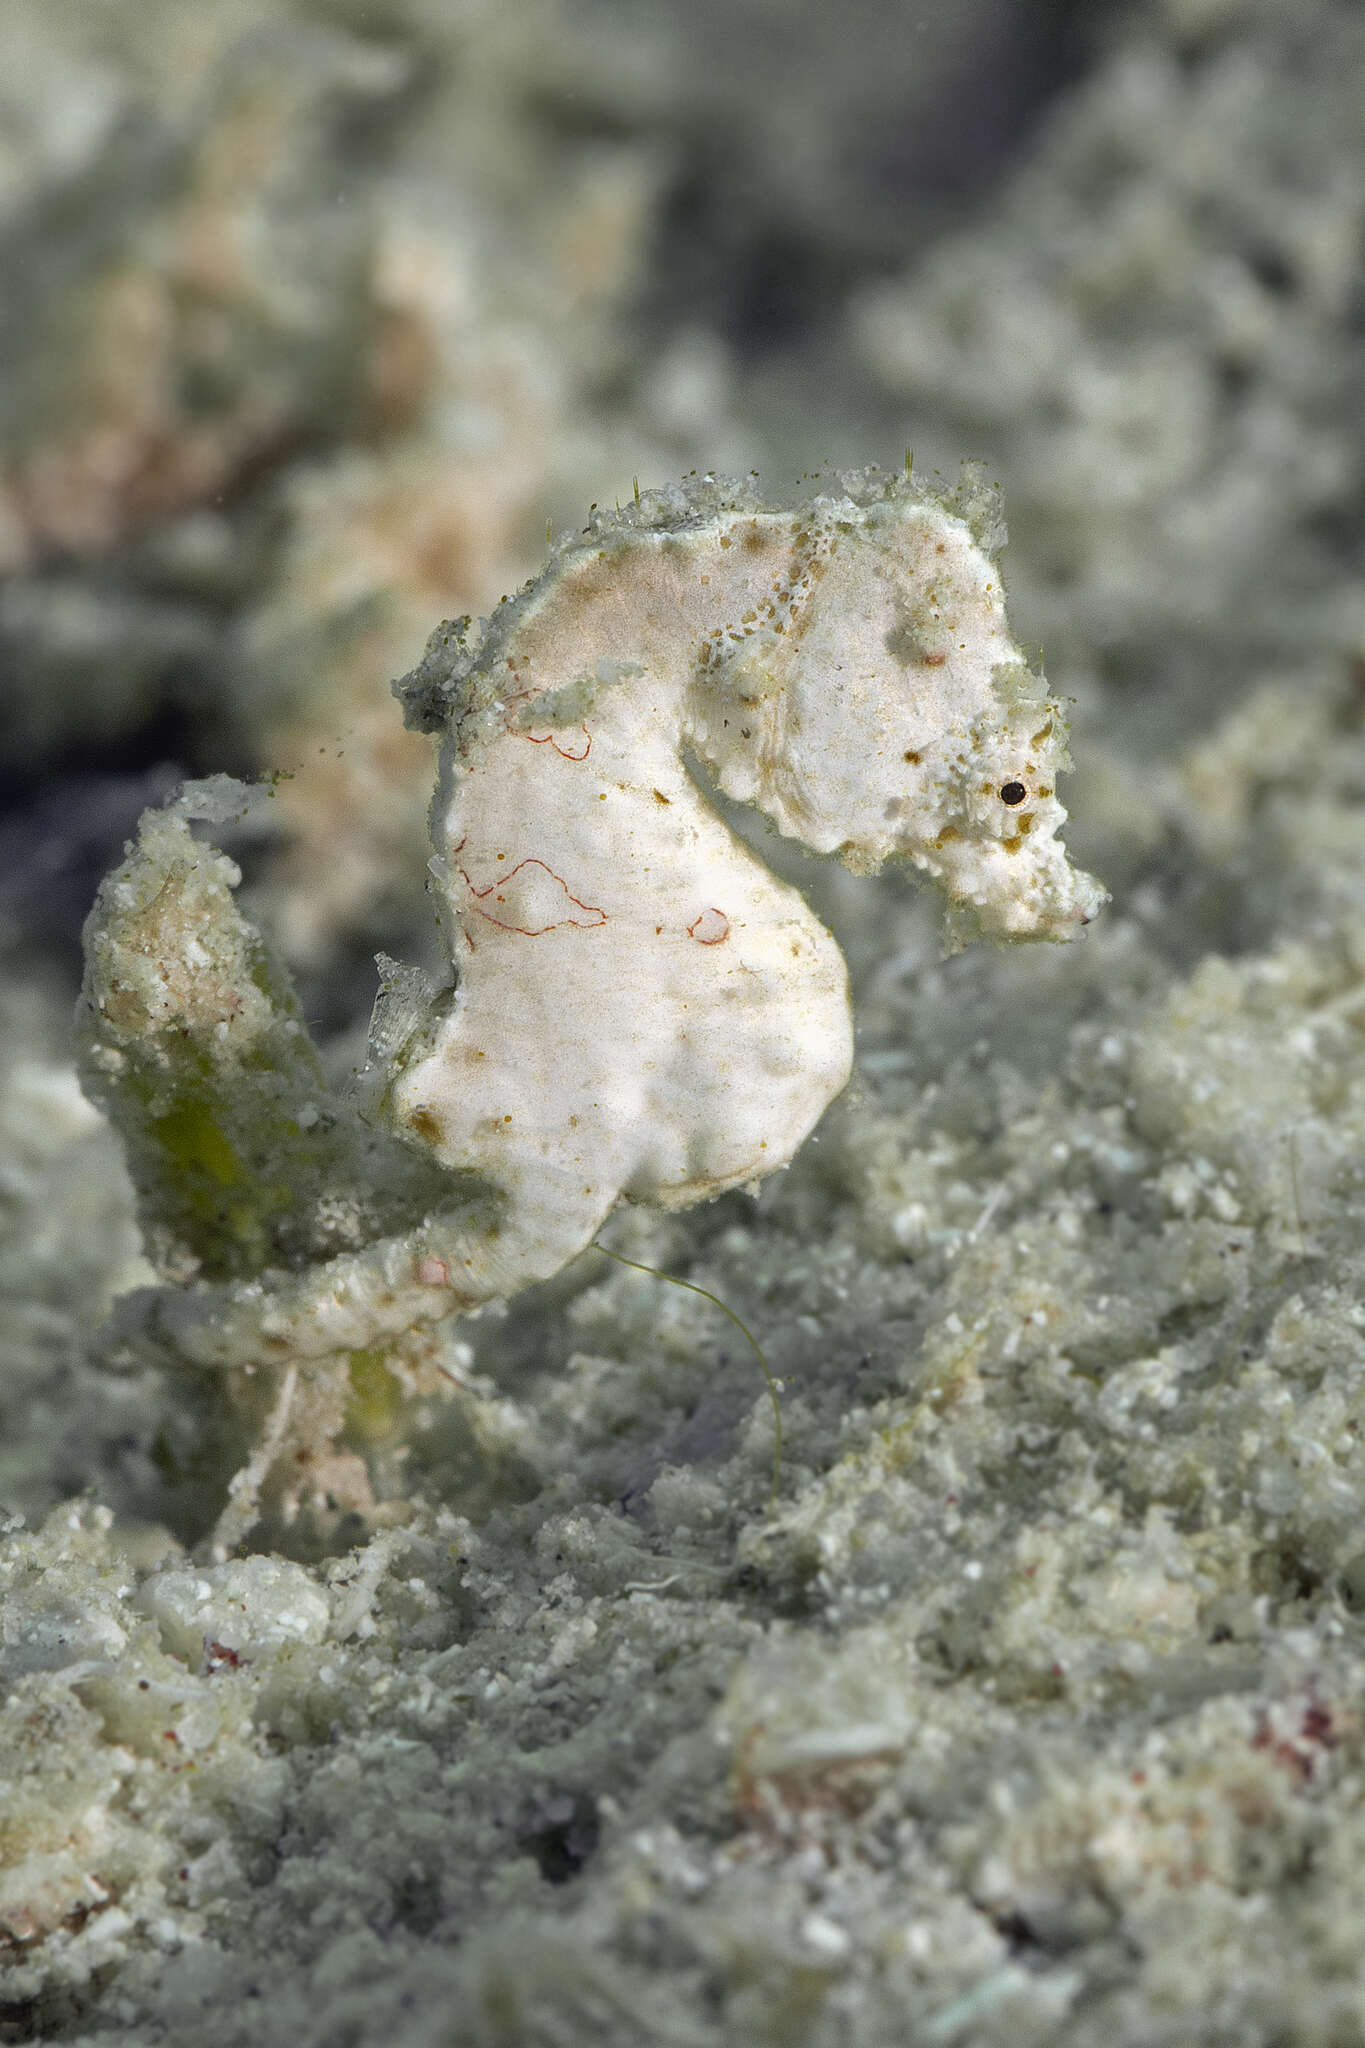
[{"x": 692, "y": 1288}]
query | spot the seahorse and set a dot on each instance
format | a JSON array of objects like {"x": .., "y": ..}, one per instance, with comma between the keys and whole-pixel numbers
[{"x": 639, "y": 1008}]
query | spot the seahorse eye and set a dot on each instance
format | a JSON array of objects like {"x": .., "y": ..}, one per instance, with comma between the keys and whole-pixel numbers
[{"x": 1012, "y": 793}]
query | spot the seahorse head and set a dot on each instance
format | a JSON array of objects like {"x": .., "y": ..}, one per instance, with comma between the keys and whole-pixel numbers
[{"x": 895, "y": 719}]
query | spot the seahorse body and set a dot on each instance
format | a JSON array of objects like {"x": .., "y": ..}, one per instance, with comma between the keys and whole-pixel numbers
[{"x": 641, "y": 1009}]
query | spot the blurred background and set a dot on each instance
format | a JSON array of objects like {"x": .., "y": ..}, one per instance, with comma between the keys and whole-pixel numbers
[{"x": 316, "y": 313}]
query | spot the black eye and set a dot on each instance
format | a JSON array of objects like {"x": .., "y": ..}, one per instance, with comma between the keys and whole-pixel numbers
[{"x": 1012, "y": 793}]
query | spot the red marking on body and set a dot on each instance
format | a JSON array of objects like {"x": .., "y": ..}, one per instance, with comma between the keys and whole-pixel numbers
[
  {"x": 541, "y": 739},
  {"x": 534, "y": 899},
  {"x": 711, "y": 928},
  {"x": 432, "y": 1272}
]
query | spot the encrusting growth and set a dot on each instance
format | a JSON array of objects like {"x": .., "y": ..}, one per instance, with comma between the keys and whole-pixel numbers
[{"x": 639, "y": 1009}]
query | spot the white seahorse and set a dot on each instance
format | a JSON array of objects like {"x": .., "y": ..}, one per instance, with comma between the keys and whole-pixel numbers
[{"x": 641, "y": 1009}]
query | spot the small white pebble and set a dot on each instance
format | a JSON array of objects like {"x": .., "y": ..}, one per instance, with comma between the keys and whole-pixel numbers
[{"x": 824, "y": 1936}]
